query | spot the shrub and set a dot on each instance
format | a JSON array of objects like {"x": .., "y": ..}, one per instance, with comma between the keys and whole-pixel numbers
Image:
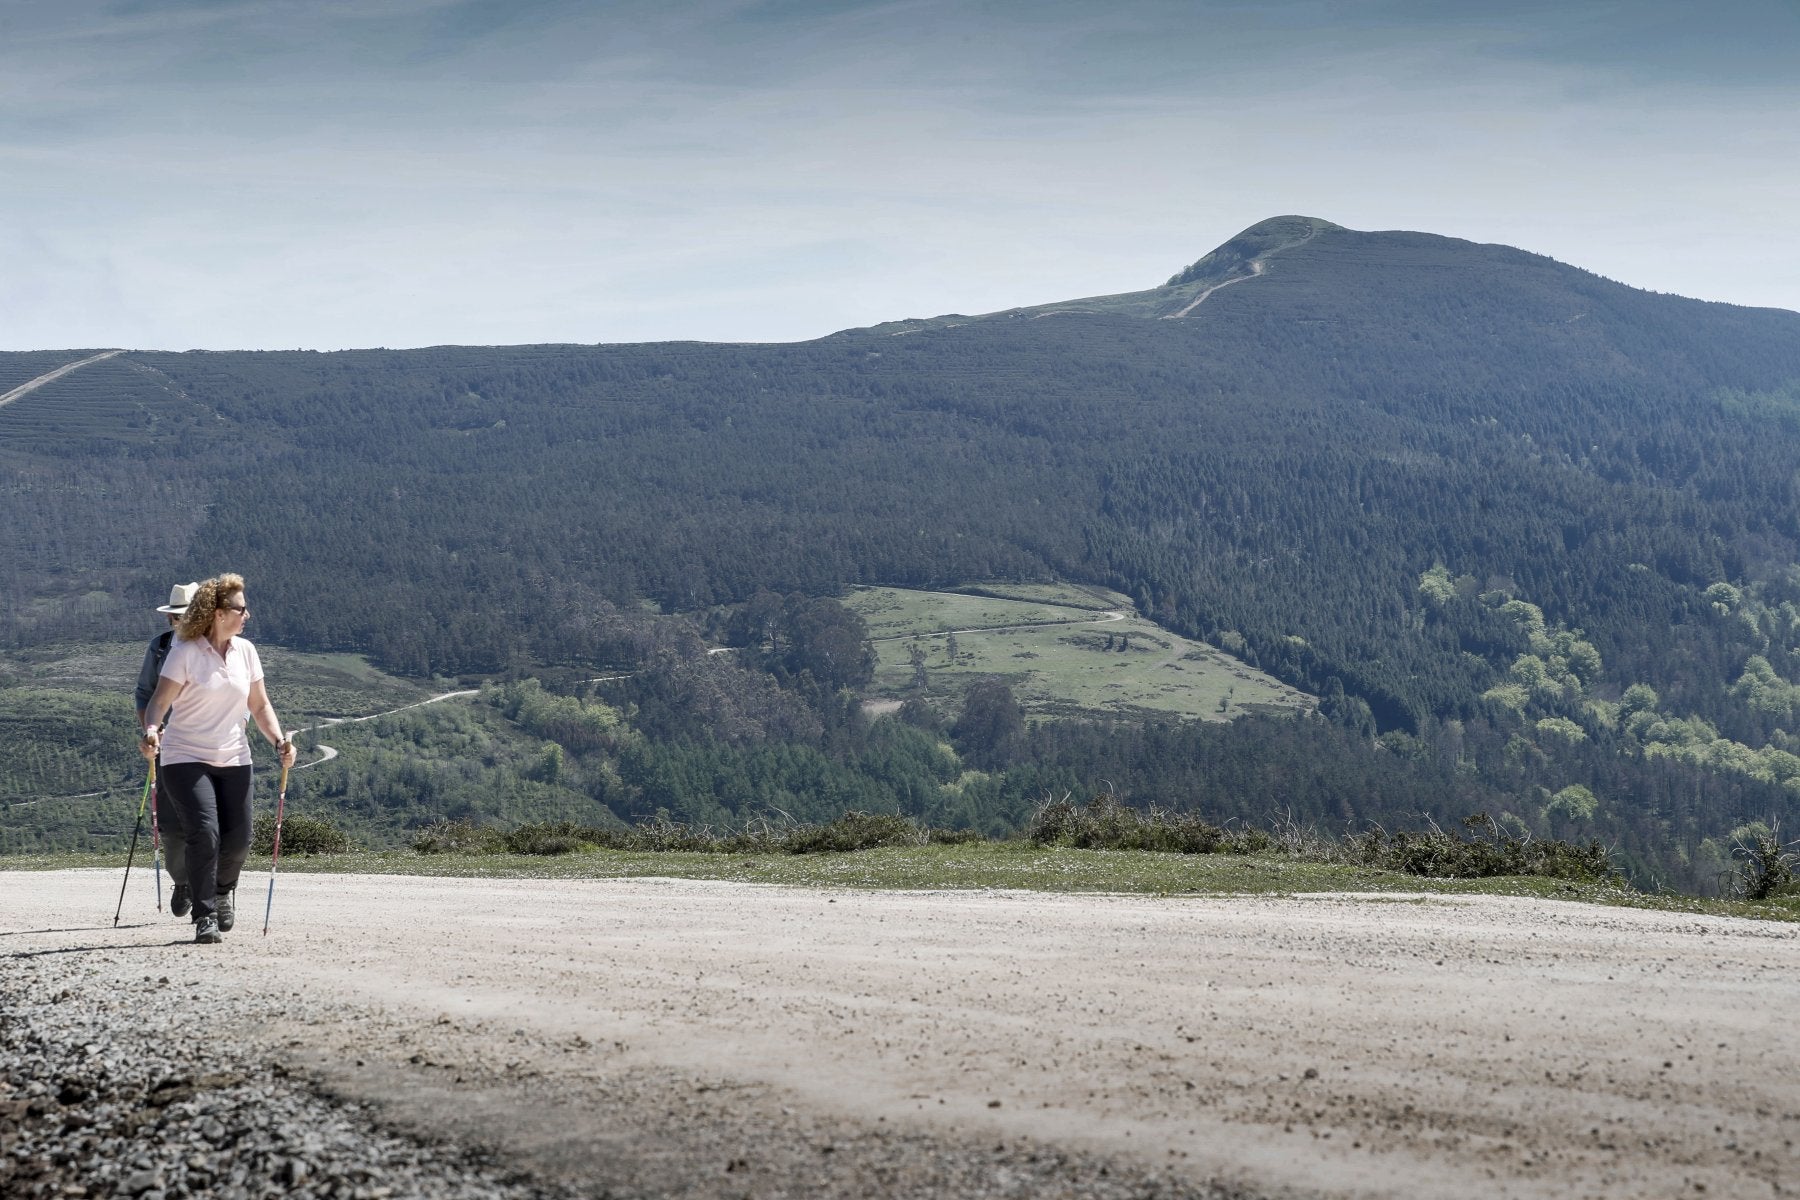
[
  {"x": 299, "y": 835},
  {"x": 663, "y": 835},
  {"x": 457, "y": 837},
  {"x": 1104, "y": 823},
  {"x": 549, "y": 837},
  {"x": 1487, "y": 852},
  {"x": 760, "y": 840},
  {"x": 1767, "y": 868},
  {"x": 854, "y": 831}
]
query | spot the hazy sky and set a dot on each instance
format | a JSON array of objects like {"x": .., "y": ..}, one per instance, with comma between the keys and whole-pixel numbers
[{"x": 330, "y": 173}]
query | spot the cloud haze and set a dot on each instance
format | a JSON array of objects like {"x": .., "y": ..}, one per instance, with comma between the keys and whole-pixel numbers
[{"x": 280, "y": 173}]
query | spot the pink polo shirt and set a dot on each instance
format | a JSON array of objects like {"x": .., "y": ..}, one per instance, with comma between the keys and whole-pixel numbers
[{"x": 206, "y": 723}]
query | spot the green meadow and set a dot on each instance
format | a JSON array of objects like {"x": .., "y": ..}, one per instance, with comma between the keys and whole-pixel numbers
[{"x": 1066, "y": 651}]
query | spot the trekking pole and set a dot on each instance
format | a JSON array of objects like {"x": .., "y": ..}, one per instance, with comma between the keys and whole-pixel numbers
[
  {"x": 155, "y": 843},
  {"x": 275, "y": 859},
  {"x": 149, "y": 782}
]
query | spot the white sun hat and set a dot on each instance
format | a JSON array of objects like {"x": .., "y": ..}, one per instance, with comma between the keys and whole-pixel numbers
[{"x": 180, "y": 596}]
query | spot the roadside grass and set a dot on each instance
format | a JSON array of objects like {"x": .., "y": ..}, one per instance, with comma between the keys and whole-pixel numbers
[
  {"x": 1060, "y": 651},
  {"x": 975, "y": 866}
]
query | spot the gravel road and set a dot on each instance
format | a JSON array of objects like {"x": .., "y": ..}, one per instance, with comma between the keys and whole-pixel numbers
[{"x": 677, "y": 1038}]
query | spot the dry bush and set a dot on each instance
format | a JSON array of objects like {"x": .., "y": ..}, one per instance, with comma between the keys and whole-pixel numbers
[
  {"x": 852, "y": 831},
  {"x": 1766, "y": 866},
  {"x": 549, "y": 837},
  {"x": 855, "y": 831},
  {"x": 1104, "y": 823},
  {"x": 299, "y": 835},
  {"x": 457, "y": 837},
  {"x": 1486, "y": 852}
]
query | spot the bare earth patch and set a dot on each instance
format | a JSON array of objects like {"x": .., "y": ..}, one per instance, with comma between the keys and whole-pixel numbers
[{"x": 710, "y": 1039}]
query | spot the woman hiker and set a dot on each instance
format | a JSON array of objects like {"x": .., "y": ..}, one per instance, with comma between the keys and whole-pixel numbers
[
  {"x": 211, "y": 677},
  {"x": 174, "y": 850}
]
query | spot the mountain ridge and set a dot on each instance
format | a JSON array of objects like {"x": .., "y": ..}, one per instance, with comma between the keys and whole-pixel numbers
[
  {"x": 1250, "y": 254},
  {"x": 1495, "y": 511},
  {"x": 1258, "y": 249}
]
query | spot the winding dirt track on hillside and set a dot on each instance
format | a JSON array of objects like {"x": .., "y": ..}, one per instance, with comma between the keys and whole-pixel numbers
[
  {"x": 32, "y": 385},
  {"x": 660, "y": 1037},
  {"x": 1257, "y": 266},
  {"x": 327, "y": 753}
]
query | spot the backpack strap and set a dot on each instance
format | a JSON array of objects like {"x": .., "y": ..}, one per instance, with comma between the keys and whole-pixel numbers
[{"x": 164, "y": 640}]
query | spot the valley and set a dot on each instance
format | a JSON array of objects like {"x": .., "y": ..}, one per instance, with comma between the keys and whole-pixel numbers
[{"x": 1525, "y": 539}]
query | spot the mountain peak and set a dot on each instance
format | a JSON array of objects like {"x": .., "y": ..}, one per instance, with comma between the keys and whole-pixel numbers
[
  {"x": 1239, "y": 256},
  {"x": 1242, "y": 258}
]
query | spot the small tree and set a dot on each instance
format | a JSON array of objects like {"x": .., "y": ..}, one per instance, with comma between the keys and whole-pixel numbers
[
  {"x": 1766, "y": 866},
  {"x": 991, "y": 725}
]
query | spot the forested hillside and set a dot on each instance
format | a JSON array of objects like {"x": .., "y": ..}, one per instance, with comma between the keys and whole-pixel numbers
[{"x": 1533, "y": 529}]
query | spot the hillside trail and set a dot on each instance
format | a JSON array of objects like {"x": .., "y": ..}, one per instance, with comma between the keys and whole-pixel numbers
[
  {"x": 327, "y": 753},
  {"x": 659, "y": 1037},
  {"x": 25, "y": 389},
  {"x": 1257, "y": 266}
]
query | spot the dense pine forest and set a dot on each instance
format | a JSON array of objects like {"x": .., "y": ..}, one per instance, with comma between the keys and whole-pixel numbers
[{"x": 1531, "y": 536}]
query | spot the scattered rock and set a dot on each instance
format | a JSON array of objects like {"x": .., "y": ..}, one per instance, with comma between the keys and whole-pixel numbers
[
  {"x": 141, "y": 1181},
  {"x": 99, "y": 1101}
]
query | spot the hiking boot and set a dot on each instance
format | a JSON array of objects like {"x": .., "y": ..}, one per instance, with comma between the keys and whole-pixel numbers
[
  {"x": 227, "y": 910},
  {"x": 180, "y": 901},
  {"x": 206, "y": 931}
]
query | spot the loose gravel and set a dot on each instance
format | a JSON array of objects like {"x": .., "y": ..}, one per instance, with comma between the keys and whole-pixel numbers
[
  {"x": 109, "y": 1091},
  {"x": 680, "y": 1039}
]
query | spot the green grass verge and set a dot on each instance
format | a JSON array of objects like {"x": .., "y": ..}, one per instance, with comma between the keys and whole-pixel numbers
[{"x": 976, "y": 866}]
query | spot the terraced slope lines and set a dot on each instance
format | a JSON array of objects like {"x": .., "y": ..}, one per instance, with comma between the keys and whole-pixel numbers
[{"x": 52, "y": 376}]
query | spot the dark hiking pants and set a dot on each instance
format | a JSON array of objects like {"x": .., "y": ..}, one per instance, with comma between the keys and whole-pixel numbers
[
  {"x": 214, "y": 803},
  {"x": 170, "y": 829}
]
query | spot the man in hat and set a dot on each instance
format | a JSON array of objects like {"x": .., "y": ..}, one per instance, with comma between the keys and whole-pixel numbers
[{"x": 168, "y": 816}]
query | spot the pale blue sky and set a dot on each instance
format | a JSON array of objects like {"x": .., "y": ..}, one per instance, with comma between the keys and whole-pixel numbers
[{"x": 329, "y": 173}]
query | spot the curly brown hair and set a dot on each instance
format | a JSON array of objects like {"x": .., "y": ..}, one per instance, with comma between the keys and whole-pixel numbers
[{"x": 197, "y": 621}]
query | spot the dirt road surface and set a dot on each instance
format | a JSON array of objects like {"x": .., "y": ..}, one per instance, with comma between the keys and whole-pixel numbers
[{"x": 660, "y": 1037}]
